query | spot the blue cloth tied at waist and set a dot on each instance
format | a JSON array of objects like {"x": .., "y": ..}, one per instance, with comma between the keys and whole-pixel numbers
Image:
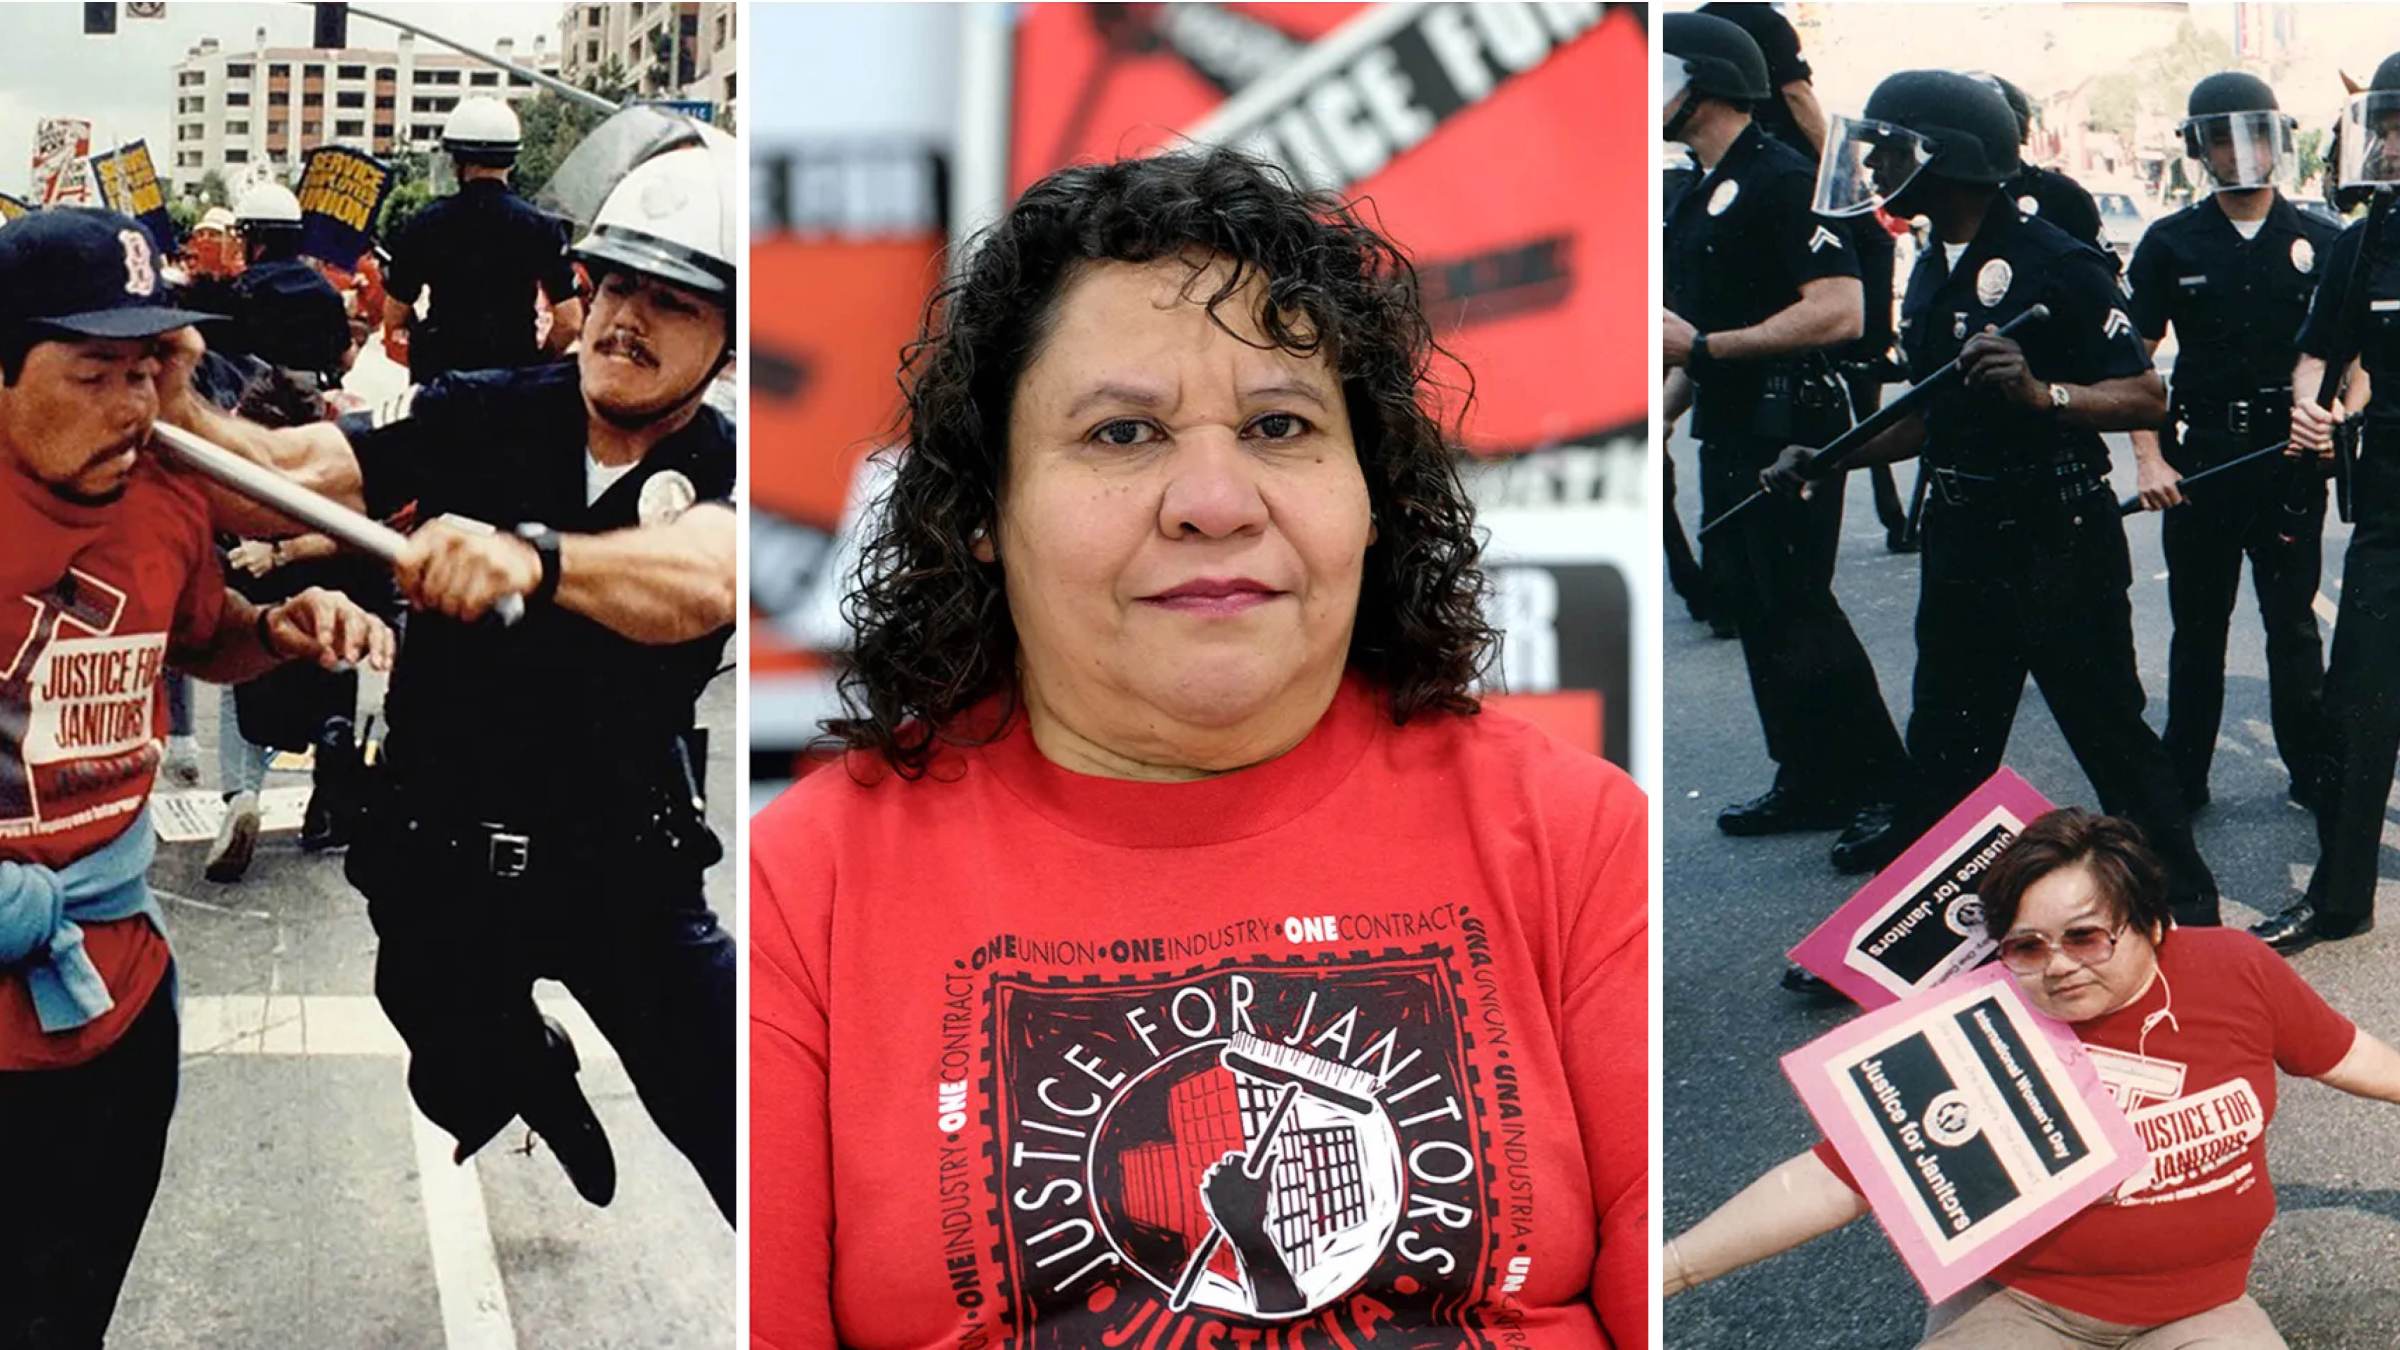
[{"x": 41, "y": 908}]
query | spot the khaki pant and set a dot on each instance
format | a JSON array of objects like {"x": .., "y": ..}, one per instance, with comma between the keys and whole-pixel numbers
[{"x": 1991, "y": 1317}]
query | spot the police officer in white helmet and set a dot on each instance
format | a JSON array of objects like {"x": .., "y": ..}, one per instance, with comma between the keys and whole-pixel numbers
[
  {"x": 536, "y": 808},
  {"x": 483, "y": 252}
]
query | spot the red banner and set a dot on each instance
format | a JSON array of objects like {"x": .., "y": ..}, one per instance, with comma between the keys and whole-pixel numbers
[{"x": 1475, "y": 130}]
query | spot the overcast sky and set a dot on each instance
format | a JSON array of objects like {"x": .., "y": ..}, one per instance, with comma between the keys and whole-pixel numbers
[{"x": 126, "y": 84}]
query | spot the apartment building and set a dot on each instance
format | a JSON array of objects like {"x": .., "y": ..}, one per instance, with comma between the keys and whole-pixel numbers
[
  {"x": 668, "y": 51},
  {"x": 236, "y": 108}
]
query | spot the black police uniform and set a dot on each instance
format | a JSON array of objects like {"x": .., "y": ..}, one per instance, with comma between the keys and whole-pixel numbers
[
  {"x": 2234, "y": 303},
  {"x": 2047, "y": 194},
  {"x": 2362, "y": 700},
  {"x": 2026, "y": 569},
  {"x": 533, "y": 813},
  {"x": 483, "y": 250},
  {"x": 1739, "y": 247}
]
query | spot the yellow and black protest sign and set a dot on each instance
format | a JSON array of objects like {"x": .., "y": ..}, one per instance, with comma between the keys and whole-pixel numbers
[{"x": 341, "y": 189}]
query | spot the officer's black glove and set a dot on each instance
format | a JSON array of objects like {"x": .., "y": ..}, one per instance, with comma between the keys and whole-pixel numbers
[{"x": 1786, "y": 473}]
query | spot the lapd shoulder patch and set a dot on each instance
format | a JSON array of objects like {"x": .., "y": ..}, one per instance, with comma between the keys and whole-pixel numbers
[{"x": 396, "y": 408}]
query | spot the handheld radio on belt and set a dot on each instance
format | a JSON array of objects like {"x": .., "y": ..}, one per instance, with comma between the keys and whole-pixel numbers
[{"x": 1830, "y": 462}]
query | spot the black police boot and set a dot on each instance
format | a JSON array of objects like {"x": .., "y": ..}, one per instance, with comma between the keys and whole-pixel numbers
[
  {"x": 1780, "y": 810},
  {"x": 557, "y": 1110},
  {"x": 1799, "y": 979},
  {"x": 2297, "y": 929},
  {"x": 326, "y": 823},
  {"x": 1863, "y": 841}
]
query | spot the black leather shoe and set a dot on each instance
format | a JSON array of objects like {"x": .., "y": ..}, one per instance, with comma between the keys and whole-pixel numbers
[
  {"x": 1899, "y": 540},
  {"x": 1799, "y": 979},
  {"x": 2296, "y": 930},
  {"x": 557, "y": 1111},
  {"x": 1783, "y": 811},
  {"x": 1874, "y": 838}
]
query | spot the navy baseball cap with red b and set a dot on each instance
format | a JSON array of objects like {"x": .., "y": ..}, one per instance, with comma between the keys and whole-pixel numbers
[{"x": 84, "y": 272}]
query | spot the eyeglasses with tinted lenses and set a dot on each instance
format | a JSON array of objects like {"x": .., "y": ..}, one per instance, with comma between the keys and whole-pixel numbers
[{"x": 2085, "y": 945}]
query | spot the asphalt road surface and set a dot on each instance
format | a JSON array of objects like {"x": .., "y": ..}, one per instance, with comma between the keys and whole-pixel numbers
[
  {"x": 306, "y": 1203},
  {"x": 2328, "y": 1271}
]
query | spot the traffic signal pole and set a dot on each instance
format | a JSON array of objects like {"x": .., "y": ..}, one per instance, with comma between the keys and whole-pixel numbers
[{"x": 550, "y": 82}]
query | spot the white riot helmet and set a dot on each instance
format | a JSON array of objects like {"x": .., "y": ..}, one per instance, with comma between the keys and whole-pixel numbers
[
  {"x": 673, "y": 218},
  {"x": 482, "y": 130},
  {"x": 269, "y": 206},
  {"x": 215, "y": 218}
]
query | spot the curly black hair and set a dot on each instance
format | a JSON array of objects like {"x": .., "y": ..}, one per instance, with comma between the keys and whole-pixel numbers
[{"x": 933, "y": 631}]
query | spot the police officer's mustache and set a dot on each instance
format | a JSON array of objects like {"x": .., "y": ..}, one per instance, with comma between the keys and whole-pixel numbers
[{"x": 629, "y": 346}]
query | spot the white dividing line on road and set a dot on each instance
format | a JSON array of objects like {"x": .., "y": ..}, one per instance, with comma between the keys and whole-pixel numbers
[
  {"x": 466, "y": 1268},
  {"x": 331, "y": 1024}
]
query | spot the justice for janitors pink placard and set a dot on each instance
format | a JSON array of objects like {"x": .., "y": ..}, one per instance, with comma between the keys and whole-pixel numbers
[
  {"x": 1973, "y": 1124},
  {"x": 1919, "y": 922}
]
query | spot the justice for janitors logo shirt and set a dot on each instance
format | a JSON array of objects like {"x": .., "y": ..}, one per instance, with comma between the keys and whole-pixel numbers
[
  {"x": 1336, "y": 1060},
  {"x": 92, "y": 598}
]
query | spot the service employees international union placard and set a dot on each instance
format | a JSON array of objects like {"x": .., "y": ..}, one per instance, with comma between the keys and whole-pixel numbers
[
  {"x": 1973, "y": 1124},
  {"x": 1919, "y": 921}
]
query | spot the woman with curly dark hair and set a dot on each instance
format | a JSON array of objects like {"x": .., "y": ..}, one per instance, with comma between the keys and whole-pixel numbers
[{"x": 1180, "y": 956}]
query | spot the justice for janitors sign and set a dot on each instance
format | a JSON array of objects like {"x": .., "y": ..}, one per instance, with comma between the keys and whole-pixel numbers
[
  {"x": 1973, "y": 1124},
  {"x": 1919, "y": 922}
]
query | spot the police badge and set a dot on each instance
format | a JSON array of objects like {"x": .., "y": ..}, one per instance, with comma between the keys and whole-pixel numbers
[
  {"x": 2304, "y": 256},
  {"x": 665, "y": 498},
  {"x": 2028, "y": 205},
  {"x": 1723, "y": 197},
  {"x": 1991, "y": 284}
]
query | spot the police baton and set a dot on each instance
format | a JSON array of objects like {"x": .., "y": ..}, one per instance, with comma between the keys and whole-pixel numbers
[
  {"x": 276, "y": 492},
  {"x": 1829, "y": 462},
  {"x": 2133, "y": 504}
]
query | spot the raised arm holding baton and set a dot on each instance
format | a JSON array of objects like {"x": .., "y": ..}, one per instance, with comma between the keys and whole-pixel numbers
[{"x": 1832, "y": 461}]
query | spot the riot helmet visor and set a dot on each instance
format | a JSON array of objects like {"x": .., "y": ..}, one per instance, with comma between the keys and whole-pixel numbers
[
  {"x": 1866, "y": 164},
  {"x": 1674, "y": 76},
  {"x": 2369, "y": 136},
  {"x": 2240, "y": 151}
]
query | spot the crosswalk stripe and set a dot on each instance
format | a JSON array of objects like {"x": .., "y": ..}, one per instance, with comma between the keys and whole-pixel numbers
[
  {"x": 466, "y": 1267},
  {"x": 331, "y": 1024}
]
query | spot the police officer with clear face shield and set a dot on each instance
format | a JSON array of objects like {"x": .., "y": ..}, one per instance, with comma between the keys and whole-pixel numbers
[
  {"x": 2354, "y": 317},
  {"x": 536, "y": 810},
  {"x": 2232, "y": 274},
  {"x": 1760, "y": 293},
  {"x": 2025, "y": 565}
]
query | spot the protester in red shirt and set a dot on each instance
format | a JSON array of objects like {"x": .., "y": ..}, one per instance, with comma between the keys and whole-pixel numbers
[
  {"x": 110, "y": 577},
  {"x": 2188, "y": 1027},
  {"x": 1179, "y": 958}
]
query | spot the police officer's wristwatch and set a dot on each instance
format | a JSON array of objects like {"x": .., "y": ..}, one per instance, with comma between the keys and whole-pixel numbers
[
  {"x": 2058, "y": 398},
  {"x": 545, "y": 546},
  {"x": 1698, "y": 359}
]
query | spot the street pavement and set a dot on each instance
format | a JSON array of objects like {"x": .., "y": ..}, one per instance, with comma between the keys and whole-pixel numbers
[
  {"x": 305, "y": 1202},
  {"x": 2328, "y": 1271}
]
